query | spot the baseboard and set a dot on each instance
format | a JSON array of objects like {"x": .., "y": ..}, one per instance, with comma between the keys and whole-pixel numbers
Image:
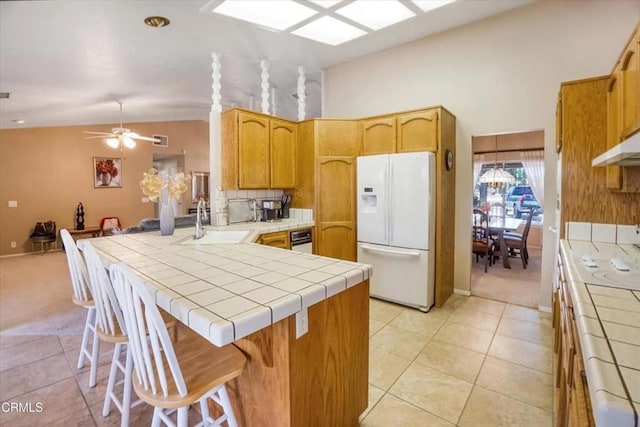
[
  {"x": 29, "y": 253},
  {"x": 462, "y": 292},
  {"x": 544, "y": 308}
]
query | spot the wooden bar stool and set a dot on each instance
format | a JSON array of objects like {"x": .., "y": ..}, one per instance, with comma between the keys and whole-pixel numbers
[
  {"x": 82, "y": 297},
  {"x": 173, "y": 377}
]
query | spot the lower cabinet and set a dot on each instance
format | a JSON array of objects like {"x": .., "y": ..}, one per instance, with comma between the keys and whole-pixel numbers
[
  {"x": 279, "y": 239},
  {"x": 573, "y": 406}
]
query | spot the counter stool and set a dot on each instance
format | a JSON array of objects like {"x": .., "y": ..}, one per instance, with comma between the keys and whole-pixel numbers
[
  {"x": 111, "y": 328},
  {"x": 83, "y": 298},
  {"x": 173, "y": 377}
]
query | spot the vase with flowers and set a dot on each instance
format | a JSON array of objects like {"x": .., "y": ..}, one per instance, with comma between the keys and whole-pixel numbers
[
  {"x": 106, "y": 170},
  {"x": 164, "y": 187}
]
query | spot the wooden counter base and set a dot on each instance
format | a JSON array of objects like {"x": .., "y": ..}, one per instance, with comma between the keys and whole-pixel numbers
[{"x": 320, "y": 379}]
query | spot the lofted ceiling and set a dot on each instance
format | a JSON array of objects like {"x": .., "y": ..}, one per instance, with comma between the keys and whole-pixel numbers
[{"x": 70, "y": 62}]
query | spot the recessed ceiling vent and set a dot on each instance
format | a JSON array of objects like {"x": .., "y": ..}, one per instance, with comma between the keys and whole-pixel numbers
[
  {"x": 161, "y": 140},
  {"x": 156, "y": 21},
  {"x": 4, "y": 95}
]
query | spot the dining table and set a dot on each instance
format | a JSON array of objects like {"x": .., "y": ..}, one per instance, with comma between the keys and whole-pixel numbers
[{"x": 496, "y": 227}]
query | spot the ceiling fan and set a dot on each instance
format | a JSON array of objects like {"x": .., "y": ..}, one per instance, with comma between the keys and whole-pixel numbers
[{"x": 120, "y": 136}]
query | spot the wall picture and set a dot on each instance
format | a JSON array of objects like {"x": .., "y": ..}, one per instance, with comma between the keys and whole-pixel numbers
[{"x": 107, "y": 172}]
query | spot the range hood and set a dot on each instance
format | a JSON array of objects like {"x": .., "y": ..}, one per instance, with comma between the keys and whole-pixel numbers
[{"x": 627, "y": 153}]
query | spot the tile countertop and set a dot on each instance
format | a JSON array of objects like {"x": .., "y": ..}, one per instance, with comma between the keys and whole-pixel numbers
[
  {"x": 608, "y": 323},
  {"x": 227, "y": 291}
]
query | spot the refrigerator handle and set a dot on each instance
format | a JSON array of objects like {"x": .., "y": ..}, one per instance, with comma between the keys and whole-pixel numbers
[
  {"x": 391, "y": 251},
  {"x": 390, "y": 197},
  {"x": 386, "y": 207}
]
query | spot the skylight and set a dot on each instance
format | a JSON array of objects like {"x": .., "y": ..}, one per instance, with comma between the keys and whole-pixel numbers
[
  {"x": 329, "y": 30},
  {"x": 376, "y": 15},
  {"x": 427, "y": 5},
  {"x": 279, "y": 15}
]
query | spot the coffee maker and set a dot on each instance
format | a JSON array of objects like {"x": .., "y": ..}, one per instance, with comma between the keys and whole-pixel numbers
[{"x": 271, "y": 210}]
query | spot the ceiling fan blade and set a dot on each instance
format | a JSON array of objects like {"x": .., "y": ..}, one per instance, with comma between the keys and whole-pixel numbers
[
  {"x": 97, "y": 133},
  {"x": 145, "y": 138},
  {"x": 98, "y": 136}
]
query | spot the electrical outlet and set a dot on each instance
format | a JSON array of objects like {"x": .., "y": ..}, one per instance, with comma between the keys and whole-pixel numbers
[
  {"x": 302, "y": 322},
  {"x": 145, "y": 200},
  {"x": 13, "y": 203},
  {"x": 13, "y": 244}
]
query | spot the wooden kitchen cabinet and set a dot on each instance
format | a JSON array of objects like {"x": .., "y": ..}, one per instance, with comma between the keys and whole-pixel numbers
[
  {"x": 282, "y": 142},
  {"x": 258, "y": 151},
  {"x": 336, "y": 207},
  {"x": 573, "y": 406},
  {"x": 378, "y": 136},
  {"x": 614, "y": 173},
  {"x": 279, "y": 239},
  {"x": 630, "y": 86},
  {"x": 418, "y": 131}
]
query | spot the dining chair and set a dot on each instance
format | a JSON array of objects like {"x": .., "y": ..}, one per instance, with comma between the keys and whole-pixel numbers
[
  {"x": 169, "y": 376},
  {"x": 82, "y": 297},
  {"x": 517, "y": 244},
  {"x": 482, "y": 245},
  {"x": 111, "y": 328}
]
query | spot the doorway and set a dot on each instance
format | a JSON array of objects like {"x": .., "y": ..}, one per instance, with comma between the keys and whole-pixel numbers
[
  {"x": 508, "y": 182},
  {"x": 170, "y": 163}
]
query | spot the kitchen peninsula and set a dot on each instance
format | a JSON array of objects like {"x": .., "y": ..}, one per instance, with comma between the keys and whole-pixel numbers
[{"x": 256, "y": 297}]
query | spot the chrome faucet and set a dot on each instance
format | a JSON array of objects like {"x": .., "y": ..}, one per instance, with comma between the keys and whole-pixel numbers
[{"x": 201, "y": 213}]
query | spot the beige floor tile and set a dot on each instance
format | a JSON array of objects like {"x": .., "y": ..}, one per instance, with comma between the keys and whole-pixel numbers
[
  {"x": 375, "y": 326},
  {"x": 71, "y": 342},
  {"x": 27, "y": 352},
  {"x": 517, "y": 382},
  {"x": 32, "y": 376},
  {"x": 477, "y": 319},
  {"x": 426, "y": 324},
  {"x": 391, "y": 411},
  {"x": 523, "y": 353},
  {"x": 484, "y": 305},
  {"x": 139, "y": 416},
  {"x": 465, "y": 336},
  {"x": 96, "y": 393},
  {"x": 453, "y": 302},
  {"x": 383, "y": 311},
  {"x": 486, "y": 408},
  {"x": 399, "y": 341},
  {"x": 528, "y": 314},
  {"x": 385, "y": 367},
  {"x": 451, "y": 359},
  {"x": 375, "y": 394},
  {"x": 433, "y": 391},
  {"x": 11, "y": 340},
  {"x": 81, "y": 419},
  {"x": 60, "y": 400},
  {"x": 539, "y": 333}
]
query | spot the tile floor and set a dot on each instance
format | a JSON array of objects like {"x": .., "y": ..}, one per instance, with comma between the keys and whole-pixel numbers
[{"x": 474, "y": 362}]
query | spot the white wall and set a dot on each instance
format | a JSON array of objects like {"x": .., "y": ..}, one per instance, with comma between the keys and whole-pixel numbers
[{"x": 501, "y": 74}]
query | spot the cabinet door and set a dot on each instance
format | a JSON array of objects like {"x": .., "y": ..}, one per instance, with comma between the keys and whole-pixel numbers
[
  {"x": 253, "y": 151},
  {"x": 279, "y": 239},
  {"x": 614, "y": 173},
  {"x": 630, "y": 90},
  {"x": 283, "y": 153},
  {"x": 418, "y": 131},
  {"x": 379, "y": 136},
  {"x": 336, "y": 216}
]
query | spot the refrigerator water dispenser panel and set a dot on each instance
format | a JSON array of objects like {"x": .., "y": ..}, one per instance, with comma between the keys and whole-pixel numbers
[{"x": 369, "y": 203}]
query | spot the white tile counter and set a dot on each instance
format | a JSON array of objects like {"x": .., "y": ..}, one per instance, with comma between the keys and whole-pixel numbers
[
  {"x": 228, "y": 291},
  {"x": 608, "y": 323}
]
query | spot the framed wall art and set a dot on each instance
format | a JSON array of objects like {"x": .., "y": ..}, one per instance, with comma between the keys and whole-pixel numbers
[{"x": 107, "y": 172}]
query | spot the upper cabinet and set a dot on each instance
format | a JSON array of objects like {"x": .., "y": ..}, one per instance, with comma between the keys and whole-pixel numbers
[
  {"x": 401, "y": 133},
  {"x": 614, "y": 173},
  {"x": 629, "y": 76},
  {"x": 258, "y": 151},
  {"x": 379, "y": 136},
  {"x": 418, "y": 131},
  {"x": 283, "y": 153}
]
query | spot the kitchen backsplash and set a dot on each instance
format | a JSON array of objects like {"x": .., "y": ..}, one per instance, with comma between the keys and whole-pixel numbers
[{"x": 605, "y": 233}]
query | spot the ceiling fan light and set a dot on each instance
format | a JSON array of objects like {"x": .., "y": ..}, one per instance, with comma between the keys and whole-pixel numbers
[
  {"x": 113, "y": 142},
  {"x": 128, "y": 142}
]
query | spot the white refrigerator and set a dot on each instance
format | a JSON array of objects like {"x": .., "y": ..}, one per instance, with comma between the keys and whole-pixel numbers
[{"x": 396, "y": 226}]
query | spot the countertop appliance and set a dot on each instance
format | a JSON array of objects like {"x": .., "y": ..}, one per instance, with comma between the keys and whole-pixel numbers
[
  {"x": 396, "y": 226},
  {"x": 271, "y": 210},
  {"x": 302, "y": 241}
]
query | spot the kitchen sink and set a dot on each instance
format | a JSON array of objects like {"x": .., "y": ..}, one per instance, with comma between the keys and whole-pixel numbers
[{"x": 217, "y": 237}]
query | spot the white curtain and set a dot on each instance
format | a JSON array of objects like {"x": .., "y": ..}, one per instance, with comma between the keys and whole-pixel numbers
[
  {"x": 533, "y": 164},
  {"x": 478, "y": 160}
]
